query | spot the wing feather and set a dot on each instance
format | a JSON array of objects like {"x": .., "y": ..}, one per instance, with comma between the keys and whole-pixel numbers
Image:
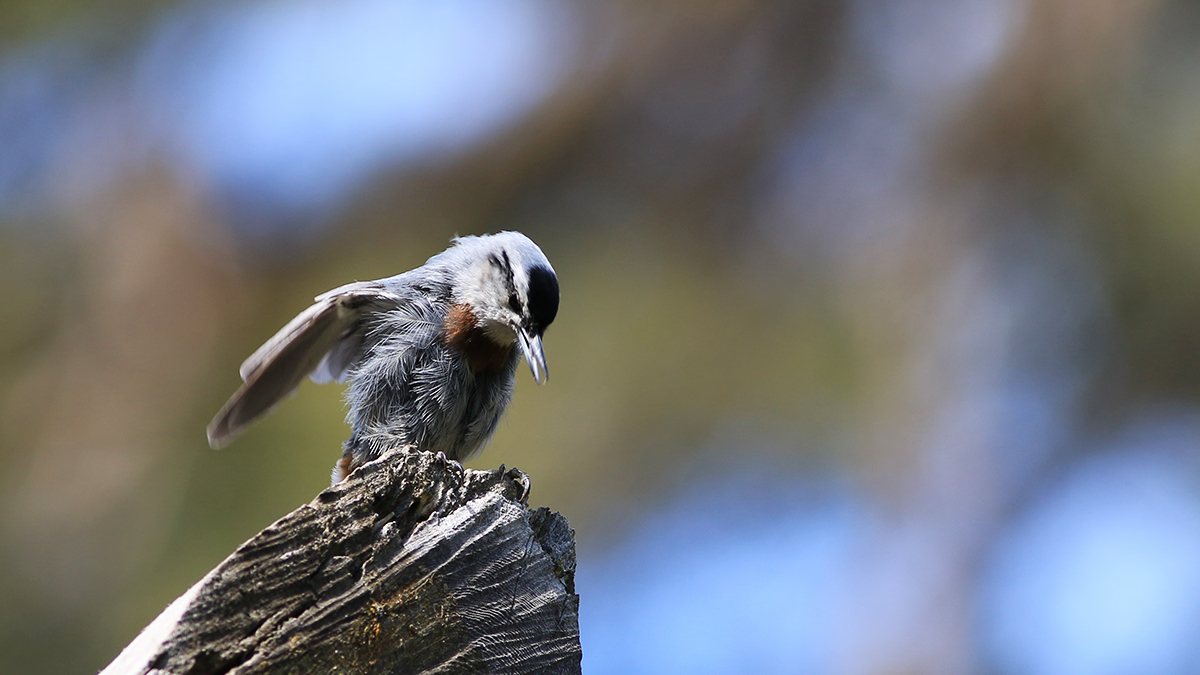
[{"x": 332, "y": 326}]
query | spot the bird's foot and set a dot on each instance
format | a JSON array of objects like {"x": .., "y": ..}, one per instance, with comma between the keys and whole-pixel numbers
[{"x": 520, "y": 477}]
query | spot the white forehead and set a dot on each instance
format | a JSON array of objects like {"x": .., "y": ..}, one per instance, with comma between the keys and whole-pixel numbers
[{"x": 521, "y": 251}]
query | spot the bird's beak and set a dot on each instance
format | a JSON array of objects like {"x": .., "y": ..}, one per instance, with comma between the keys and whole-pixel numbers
[{"x": 531, "y": 347}]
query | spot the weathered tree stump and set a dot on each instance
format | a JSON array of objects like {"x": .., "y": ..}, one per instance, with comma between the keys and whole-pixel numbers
[{"x": 412, "y": 565}]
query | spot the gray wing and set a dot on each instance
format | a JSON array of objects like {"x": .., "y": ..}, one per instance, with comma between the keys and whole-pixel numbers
[{"x": 323, "y": 341}]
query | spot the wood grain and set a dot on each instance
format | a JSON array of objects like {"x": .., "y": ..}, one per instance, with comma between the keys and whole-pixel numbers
[{"x": 412, "y": 565}]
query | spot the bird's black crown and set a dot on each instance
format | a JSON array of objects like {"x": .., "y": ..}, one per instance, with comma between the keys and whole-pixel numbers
[{"x": 543, "y": 298}]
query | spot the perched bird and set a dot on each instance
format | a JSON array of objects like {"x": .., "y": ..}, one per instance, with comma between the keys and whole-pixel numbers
[{"x": 429, "y": 354}]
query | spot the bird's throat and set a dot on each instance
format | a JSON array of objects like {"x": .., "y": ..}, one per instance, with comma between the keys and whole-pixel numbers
[{"x": 463, "y": 333}]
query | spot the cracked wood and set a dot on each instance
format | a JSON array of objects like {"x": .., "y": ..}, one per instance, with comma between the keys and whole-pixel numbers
[{"x": 412, "y": 565}]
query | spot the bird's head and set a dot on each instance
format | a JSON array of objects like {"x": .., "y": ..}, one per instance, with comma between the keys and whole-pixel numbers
[{"x": 512, "y": 291}]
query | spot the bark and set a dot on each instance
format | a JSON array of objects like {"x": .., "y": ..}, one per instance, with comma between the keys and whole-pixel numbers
[{"x": 412, "y": 565}]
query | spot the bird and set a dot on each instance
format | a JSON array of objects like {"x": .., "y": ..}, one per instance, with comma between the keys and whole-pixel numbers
[{"x": 430, "y": 355}]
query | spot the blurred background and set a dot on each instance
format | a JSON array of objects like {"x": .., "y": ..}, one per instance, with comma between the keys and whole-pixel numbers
[{"x": 878, "y": 341}]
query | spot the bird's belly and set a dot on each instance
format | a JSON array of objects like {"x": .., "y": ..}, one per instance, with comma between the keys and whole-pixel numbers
[
  {"x": 465, "y": 428},
  {"x": 427, "y": 399}
]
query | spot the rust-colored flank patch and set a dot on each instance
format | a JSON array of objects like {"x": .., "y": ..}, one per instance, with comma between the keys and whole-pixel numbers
[
  {"x": 345, "y": 467},
  {"x": 464, "y": 335}
]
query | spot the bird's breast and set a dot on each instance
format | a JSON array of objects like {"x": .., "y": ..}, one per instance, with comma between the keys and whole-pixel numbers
[{"x": 463, "y": 334}]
